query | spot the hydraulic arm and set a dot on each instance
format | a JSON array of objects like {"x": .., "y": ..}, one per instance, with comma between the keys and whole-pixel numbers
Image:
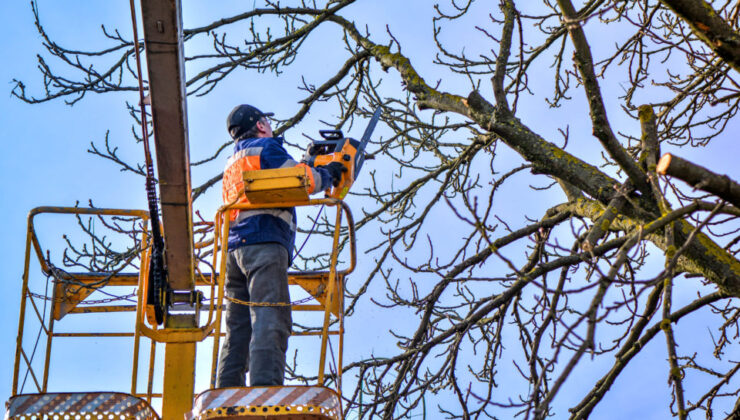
[{"x": 164, "y": 52}]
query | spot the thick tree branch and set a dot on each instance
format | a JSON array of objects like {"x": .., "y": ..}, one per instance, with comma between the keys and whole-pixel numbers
[
  {"x": 710, "y": 27},
  {"x": 701, "y": 178},
  {"x": 601, "y": 127},
  {"x": 703, "y": 256}
]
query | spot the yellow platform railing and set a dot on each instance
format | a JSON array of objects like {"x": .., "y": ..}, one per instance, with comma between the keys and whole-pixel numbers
[
  {"x": 327, "y": 287},
  {"x": 65, "y": 300}
]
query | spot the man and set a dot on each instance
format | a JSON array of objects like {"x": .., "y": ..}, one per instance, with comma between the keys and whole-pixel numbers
[{"x": 261, "y": 245}]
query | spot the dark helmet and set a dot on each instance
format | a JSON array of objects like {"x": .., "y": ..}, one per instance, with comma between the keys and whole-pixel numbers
[{"x": 242, "y": 119}]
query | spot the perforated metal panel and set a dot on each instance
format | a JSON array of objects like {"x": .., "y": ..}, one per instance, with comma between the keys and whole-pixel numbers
[
  {"x": 284, "y": 402},
  {"x": 79, "y": 405}
]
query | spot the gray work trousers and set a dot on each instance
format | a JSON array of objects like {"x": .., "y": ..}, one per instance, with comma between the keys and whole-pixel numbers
[{"x": 256, "y": 336}]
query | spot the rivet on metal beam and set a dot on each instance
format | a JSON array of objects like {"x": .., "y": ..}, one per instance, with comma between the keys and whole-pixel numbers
[{"x": 160, "y": 26}]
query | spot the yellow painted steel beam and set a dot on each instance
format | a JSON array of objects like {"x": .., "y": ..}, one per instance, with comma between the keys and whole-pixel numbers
[
  {"x": 150, "y": 377},
  {"x": 307, "y": 307},
  {"x": 179, "y": 380},
  {"x": 31, "y": 371},
  {"x": 119, "y": 279},
  {"x": 220, "y": 246},
  {"x": 127, "y": 334},
  {"x": 176, "y": 335},
  {"x": 94, "y": 334},
  {"x": 87, "y": 211},
  {"x": 98, "y": 309},
  {"x": 47, "y": 359},
  {"x": 314, "y": 333},
  {"x": 331, "y": 293},
  {"x": 340, "y": 313},
  {"x": 39, "y": 316},
  {"x": 132, "y": 279},
  {"x": 22, "y": 312},
  {"x": 153, "y": 395},
  {"x": 311, "y": 277},
  {"x": 139, "y": 310}
]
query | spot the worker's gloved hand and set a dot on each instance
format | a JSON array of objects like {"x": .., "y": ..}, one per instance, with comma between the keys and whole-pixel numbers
[{"x": 335, "y": 170}]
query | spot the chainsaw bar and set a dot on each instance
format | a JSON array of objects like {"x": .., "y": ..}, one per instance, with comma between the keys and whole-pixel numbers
[{"x": 360, "y": 156}]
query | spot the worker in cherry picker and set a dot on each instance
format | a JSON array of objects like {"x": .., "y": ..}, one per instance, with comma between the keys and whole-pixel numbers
[{"x": 261, "y": 244}]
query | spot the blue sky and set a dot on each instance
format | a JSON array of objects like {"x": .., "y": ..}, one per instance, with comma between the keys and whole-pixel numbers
[{"x": 44, "y": 159}]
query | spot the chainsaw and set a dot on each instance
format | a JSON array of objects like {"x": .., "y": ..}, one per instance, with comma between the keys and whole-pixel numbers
[{"x": 335, "y": 147}]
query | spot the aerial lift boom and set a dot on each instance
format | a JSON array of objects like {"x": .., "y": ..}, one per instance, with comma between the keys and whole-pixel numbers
[
  {"x": 164, "y": 51},
  {"x": 162, "y": 20}
]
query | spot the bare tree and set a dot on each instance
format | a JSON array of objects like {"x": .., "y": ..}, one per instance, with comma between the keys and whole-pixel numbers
[{"x": 489, "y": 292}]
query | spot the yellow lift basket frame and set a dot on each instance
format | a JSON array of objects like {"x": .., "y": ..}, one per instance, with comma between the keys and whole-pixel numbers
[{"x": 265, "y": 189}]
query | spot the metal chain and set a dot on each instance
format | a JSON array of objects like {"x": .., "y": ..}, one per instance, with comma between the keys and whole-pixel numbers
[
  {"x": 86, "y": 302},
  {"x": 246, "y": 303},
  {"x": 63, "y": 276},
  {"x": 131, "y": 295}
]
